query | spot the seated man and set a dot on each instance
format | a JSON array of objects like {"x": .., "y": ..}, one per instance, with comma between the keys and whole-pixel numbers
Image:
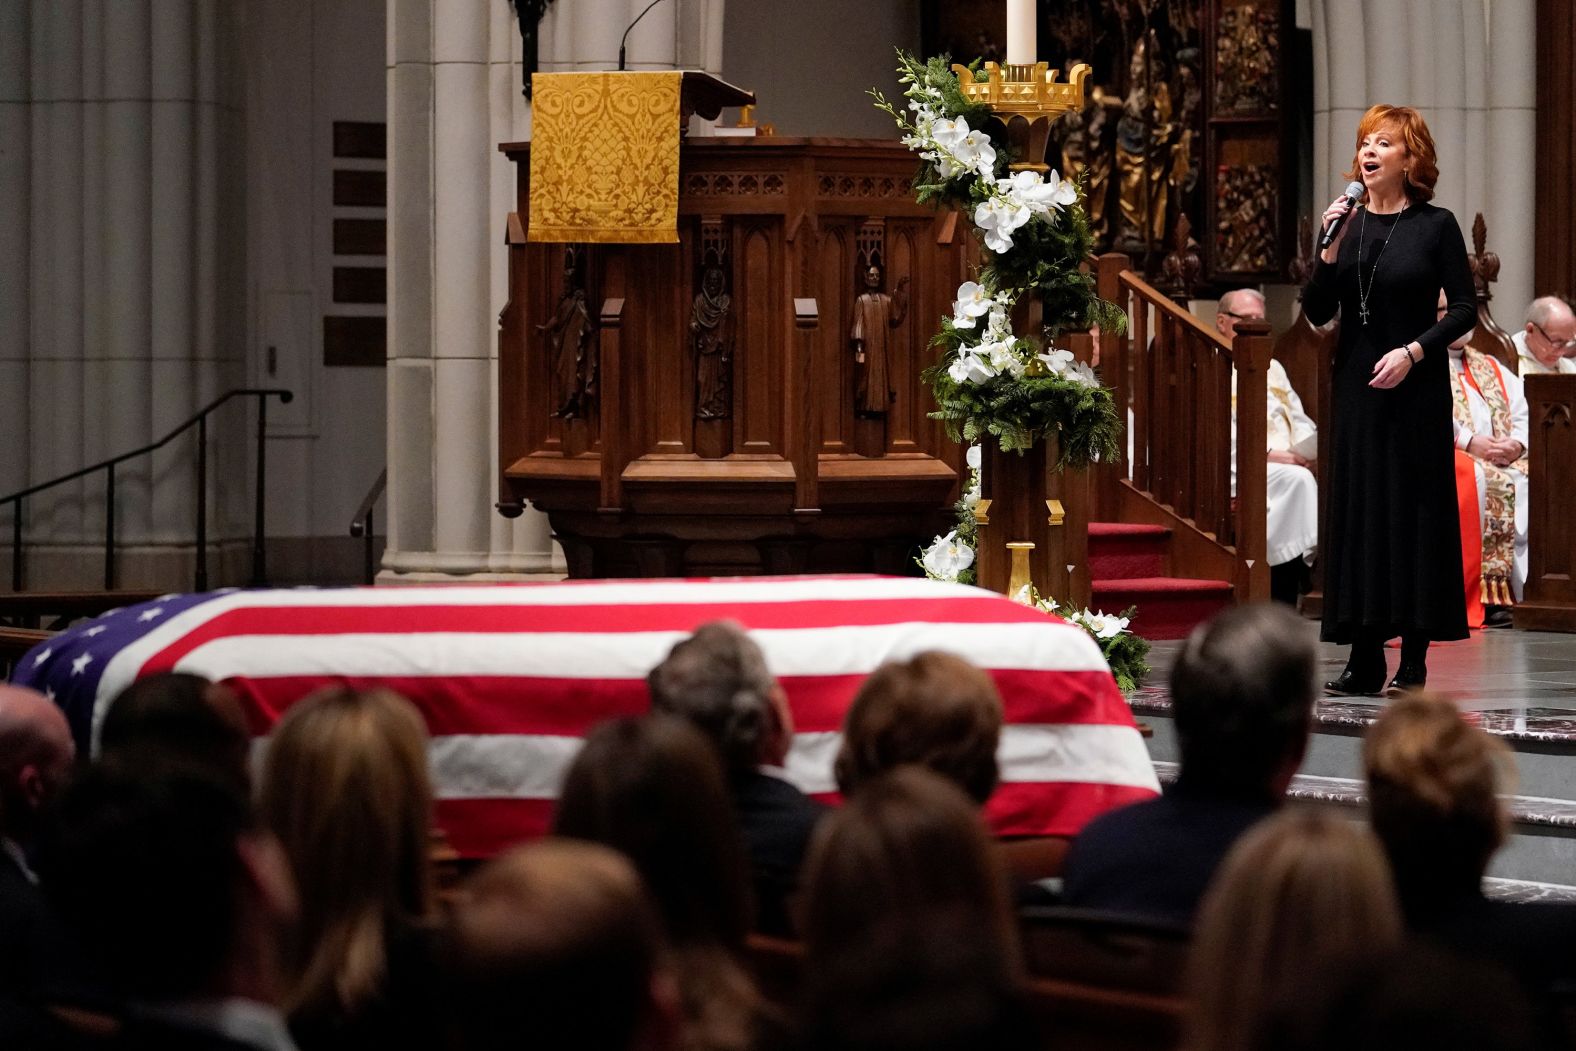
[
  {"x": 717, "y": 680},
  {"x": 1548, "y": 342},
  {"x": 1291, "y": 491},
  {"x": 1242, "y": 693},
  {"x": 555, "y": 944},
  {"x": 1491, "y": 481},
  {"x": 179, "y": 897}
]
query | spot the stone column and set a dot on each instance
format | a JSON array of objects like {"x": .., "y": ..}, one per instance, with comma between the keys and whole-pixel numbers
[
  {"x": 1468, "y": 67},
  {"x": 454, "y": 94},
  {"x": 118, "y": 124}
]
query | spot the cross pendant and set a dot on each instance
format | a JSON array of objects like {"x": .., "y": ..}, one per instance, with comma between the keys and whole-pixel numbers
[{"x": 1362, "y": 309}]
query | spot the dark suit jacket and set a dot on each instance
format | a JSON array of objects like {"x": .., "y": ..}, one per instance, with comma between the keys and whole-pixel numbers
[
  {"x": 1156, "y": 858},
  {"x": 777, "y": 820}
]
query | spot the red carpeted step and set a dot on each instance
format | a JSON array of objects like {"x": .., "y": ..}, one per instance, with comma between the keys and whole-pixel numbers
[
  {"x": 1120, "y": 550},
  {"x": 1168, "y": 607}
]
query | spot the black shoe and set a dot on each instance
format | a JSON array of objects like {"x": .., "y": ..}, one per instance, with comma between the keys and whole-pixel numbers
[
  {"x": 1349, "y": 683},
  {"x": 1497, "y": 617},
  {"x": 1408, "y": 677}
]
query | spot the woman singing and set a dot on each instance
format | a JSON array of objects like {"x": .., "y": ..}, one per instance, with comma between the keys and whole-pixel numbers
[{"x": 1392, "y": 546}]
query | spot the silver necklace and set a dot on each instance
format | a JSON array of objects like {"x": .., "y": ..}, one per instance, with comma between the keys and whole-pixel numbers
[{"x": 1362, "y": 297}]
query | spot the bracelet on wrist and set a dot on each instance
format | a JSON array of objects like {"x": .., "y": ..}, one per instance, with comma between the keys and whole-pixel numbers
[{"x": 1408, "y": 352}]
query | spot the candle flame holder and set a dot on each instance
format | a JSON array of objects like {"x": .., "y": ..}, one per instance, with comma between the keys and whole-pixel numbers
[{"x": 1025, "y": 98}]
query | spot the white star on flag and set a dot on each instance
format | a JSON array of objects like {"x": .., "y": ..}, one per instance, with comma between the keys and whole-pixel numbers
[
  {"x": 97, "y": 630},
  {"x": 49, "y": 694},
  {"x": 149, "y": 614},
  {"x": 80, "y": 665},
  {"x": 42, "y": 657}
]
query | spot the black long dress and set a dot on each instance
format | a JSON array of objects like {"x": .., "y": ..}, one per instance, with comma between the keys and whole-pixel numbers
[{"x": 1391, "y": 547}]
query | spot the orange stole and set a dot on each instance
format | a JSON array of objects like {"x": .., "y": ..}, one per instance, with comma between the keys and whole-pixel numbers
[{"x": 1471, "y": 536}]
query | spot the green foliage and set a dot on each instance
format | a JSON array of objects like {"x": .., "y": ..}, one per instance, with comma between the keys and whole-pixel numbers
[{"x": 1128, "y": 656}]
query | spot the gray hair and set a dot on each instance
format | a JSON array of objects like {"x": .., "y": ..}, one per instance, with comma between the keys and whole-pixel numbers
[
  {"x": 1242, "y": 693},
  {"x": 1226, "y": 301},
  {"x": 1543, "y": 309},
  {"x": 717, "y": 680}
]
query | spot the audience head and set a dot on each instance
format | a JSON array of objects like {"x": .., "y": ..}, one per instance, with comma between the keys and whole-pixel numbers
[
  {"x": 1421, "y": 163},
  {"x": 555, "y": 944},
  {"x": 1300, "y": 899},
  {"x": 36, "y": 751},
  {"x": 653, "y": 789},
  {"x": 184, "y": 716},
  {"x": 717, "y": 680},
  {"x": 170, "y": 886},
  {"x": 935, "y": 710},
  {"x": 1242, "y": 304},
  {"x": 1242, "y": 691},
  {"x": 908, "y": 932},
  {"x": 346, "y": 789},
  {"x": 1433, "y": 792},
  {"x": 1551, "y": 330}
]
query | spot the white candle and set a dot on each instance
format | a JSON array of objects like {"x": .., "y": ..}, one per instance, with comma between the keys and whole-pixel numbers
[{"x": 1022, "y": 47}]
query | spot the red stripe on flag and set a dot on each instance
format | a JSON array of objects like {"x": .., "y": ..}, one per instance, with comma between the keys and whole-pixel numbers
[
  {"x": 608, "y": 619},
  {"x": 480, "y": 828},
  {"x": 470, "y": 704}
]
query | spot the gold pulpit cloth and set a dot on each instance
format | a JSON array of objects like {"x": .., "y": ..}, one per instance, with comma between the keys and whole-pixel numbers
[{"x": 605, "y": 157}]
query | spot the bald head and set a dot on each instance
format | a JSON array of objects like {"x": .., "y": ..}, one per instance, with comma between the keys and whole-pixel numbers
[
  {"x": 1551, "y": 330},
  {"x": 36, "y": 751},
  {"x": 1241, "y": 304}
]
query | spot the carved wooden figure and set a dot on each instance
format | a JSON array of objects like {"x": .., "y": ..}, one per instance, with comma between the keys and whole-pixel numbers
[
  {"x": 711, "y": 338},
  {"x": 875, "y": 314}
]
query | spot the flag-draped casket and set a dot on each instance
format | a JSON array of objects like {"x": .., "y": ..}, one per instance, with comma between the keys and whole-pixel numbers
[{"x": 510, "y": 677}]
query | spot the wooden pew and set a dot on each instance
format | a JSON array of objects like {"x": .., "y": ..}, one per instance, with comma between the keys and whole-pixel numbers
[{"x": 1550, "y": 597}]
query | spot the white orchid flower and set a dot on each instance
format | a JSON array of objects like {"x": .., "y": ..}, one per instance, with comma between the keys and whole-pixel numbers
[
  {"x": 1028, "y": 190},
  {"x": 946, "y": 164},
  {"x": 1000, "y": 325},
  {"x": 1065, "y": 191},
  {"x": 1081, "y": 372},
  {"x": 947, "y": 557},
  {"x": 970, "y": 368},
  {"x": 949, "y": 132},
  {"x": 974, "y": 151},
  {"x": 998, "y": 218},
  {"x": 972, "y": 301},
  {"x": 1056, "y": 361},
  {"x": 1002, "y": 359},
  {"x": 973, "y": 457},
  {"x": 1024, "y": 595}
]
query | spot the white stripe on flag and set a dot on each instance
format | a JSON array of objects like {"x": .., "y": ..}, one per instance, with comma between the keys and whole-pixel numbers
[
  {"x": 533, "y": 766},
  {"x": 847, "y": 650}
]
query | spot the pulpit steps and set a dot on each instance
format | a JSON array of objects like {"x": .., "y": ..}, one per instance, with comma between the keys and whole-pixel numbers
[{"x": 1130, "y": 564}]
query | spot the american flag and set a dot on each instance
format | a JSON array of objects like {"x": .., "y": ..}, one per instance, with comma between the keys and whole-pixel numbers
[{"x": 511, "y": 677}]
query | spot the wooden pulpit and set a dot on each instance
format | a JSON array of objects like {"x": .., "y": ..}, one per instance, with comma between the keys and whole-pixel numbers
[{"x": 748, "y": 399}]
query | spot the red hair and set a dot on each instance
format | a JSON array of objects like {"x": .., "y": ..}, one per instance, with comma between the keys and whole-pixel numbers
[{"x": 1407, "y": 125}]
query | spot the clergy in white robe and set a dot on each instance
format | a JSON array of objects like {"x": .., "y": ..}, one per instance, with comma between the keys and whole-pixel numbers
[
  {"x": 1548, "y": 340},
  {"x": 1291, "y": 491},
  {"x": 1491, "y": 424},
  {"x": 1470, "y": 435}
]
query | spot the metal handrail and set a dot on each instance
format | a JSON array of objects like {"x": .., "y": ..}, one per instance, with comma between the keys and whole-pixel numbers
[
  {"x": 200, "y": 421},
  {"x": 361, "y": 525}
]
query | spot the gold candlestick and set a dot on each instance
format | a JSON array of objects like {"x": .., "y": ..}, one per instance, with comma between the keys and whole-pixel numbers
[{"x": 1020, "y": 584}]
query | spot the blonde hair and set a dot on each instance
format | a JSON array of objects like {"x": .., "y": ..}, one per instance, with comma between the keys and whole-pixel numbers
[
  {"x": 346, "y": 789},
  {"x": 1433, "y": 784},
  {"x": 1300, "y": 897}
]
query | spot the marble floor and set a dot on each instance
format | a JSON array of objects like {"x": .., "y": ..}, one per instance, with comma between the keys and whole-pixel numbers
[{"x": 1522, "y": 682}]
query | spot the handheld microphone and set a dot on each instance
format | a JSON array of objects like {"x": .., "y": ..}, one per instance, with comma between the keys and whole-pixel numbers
[
  {"x": 1354, "y": 193},
  {"x": 625, "y": 38}
]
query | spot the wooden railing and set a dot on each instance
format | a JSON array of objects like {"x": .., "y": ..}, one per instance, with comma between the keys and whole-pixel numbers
[{"x": 1174, "y": 374}]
